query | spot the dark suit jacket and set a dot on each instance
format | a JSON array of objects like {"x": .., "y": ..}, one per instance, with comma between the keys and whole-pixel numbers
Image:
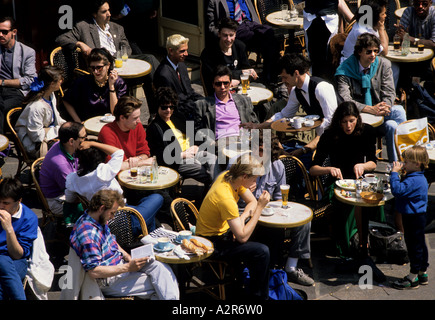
[
  {"x": 86, "y": 31},
  {"x": 166, "y": 76},
  {"x": 213, "y": 56},
  {"x": 218, "y": 9},
  {"x": 155, "y": 132}
]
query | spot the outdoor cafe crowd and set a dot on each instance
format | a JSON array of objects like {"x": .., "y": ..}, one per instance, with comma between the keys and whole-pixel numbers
[{"x": 189, "y": 133}]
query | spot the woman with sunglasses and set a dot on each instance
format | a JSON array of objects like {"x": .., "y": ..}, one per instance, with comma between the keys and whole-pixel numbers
[
  {"x": 40, "y": 120},
  {"x": 181, "y": 154},
  {"x": 97, "y": 93}
]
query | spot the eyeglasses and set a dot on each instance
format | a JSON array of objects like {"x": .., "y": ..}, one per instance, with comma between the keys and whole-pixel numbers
[
  {"x": 220, "y": 83},
  {"x": 97, "y": 68},
  {"x": 166, "y": 107},
  {"x": 376, "y": 51},
  {"x": 5, "y": 32},
  {"x": 83, "y": 137}
]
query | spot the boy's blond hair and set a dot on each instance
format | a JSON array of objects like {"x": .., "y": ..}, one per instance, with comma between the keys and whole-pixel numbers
[{"x": 417, "y": 154}]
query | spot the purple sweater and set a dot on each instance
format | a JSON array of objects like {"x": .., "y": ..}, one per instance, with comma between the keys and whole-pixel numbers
[{"x": 55, "y": 167}]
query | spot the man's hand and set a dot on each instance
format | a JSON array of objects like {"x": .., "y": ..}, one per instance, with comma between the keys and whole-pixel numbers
[
  {"x": 86, "y": 50},
  {"x": 137, "y": 264},
  {"x": 6, "y": 220},
  {"x": 379, "y": 109},
  {"x": 400, "y": 30},
  {"x": 249, "y": 125}
]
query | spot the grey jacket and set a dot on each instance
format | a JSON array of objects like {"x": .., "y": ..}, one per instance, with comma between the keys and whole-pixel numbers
[
  {"x": 382, "y": 89},
  {"x": 205, "y": 112},
  {"x": 87, "y": 31},
  {"x": 24, "y": 67}
]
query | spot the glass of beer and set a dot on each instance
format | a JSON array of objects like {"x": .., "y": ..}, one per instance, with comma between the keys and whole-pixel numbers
[
  {"x": 284, "y": 193},
  {"x": 396, "y": 42},
  {"x": 124, "y": 53},
  {"x": 245, "y": 82},
  {"x": 420, "y": 48},
  {"x": 247, "y": 73}
]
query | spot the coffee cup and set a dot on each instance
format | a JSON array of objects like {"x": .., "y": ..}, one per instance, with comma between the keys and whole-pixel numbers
[
  {"x": 184, "y": 234},
  {"x": 297, "y": 123},
  {"x": 309, "y": 123},
  {"x": 163, "y": 242},
  {"x": 370, "y": 178}
]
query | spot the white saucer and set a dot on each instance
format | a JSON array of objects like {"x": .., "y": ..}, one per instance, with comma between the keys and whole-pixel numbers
[
  {"x": 107, "y": 119},
  {"x": 169, "y": 247}
]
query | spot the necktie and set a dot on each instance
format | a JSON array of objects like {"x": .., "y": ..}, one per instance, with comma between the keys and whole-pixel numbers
[
  {"x": 366, "y": 70},
  {"x": 238, "y": 13}
]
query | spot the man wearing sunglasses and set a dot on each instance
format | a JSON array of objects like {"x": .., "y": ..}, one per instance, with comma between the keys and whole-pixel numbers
[
  {"x": 17, "y": 68},
  {"x": 367, "y": 80}
]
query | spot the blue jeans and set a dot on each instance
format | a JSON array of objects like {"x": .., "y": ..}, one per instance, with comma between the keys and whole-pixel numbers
[
  {"x": 12, "y": 273},
  {"x": 148, "y": 208},
  {"x": 397, "y": 116}
]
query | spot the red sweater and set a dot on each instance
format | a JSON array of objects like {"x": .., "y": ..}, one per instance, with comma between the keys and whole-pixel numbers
[{"x": 133, "y": 142}]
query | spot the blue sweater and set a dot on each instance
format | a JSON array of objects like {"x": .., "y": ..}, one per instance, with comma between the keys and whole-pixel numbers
[
  {"x": 411, "y": 193},
  {"x": 26, "y": 230}
]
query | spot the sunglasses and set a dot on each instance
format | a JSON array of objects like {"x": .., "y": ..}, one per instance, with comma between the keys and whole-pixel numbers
[
  {"x": 97, "y": 68},
  {"x": 166, "y": 107},
  {"x": 220, "y": 83},
  {"x": 5, "y": 32},
  {"x": 370, "y": 51}
]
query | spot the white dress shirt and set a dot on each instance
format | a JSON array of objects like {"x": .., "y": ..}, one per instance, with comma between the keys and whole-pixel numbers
[{"x": 324, "y": 93}]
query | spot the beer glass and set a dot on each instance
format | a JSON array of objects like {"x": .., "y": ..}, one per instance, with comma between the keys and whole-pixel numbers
[{"x": 284, "y": 193}]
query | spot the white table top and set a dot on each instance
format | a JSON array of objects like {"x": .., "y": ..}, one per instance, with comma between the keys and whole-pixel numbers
[
  {"x": 4, "y": 142},
  {"x": 167, "y": 178},
  {"x": 93, "y": 125},
  {"x": 371, "y": 119},
  {"x": 275, "y": 19},
  {"x": 413, "y": 56},
  {"x": 431, "y": 152},
  {"x": 257, "y": 94},
  {"x": 353, "y": 200},
  {"x": 294, "y": 216},
  {"x": 134, "y": 68}
]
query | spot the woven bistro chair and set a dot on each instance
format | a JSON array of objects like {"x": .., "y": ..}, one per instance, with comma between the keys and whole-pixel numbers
[{"x": 185, "y": 214}]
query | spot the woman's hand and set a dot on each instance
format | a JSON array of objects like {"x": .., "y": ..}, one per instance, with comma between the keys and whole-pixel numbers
[
  {"x": 113, "y": 76},
  {"x": 264, "y": 199},
  {"x": 358, "y": 169},
  {"x": 336, "y": 173}
]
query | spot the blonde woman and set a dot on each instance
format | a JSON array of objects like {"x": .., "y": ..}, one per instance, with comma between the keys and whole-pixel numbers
[{"x": 219, "y": 221}]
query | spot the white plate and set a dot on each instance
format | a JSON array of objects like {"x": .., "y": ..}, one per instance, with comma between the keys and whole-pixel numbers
[
  {"x": 107, "y": 119},
  {"x": 346, "y": 184},
  {"x": 268, "y": 212},
  {"x": 165, "y": 249},
  {"x": 313, "y": 117}
]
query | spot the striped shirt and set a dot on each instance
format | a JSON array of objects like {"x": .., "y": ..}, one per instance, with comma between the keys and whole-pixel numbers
[
  {"x": 94, "y": 243},
  {"x": 106, "y": 39},
  {"x": 418, "y": 28}
]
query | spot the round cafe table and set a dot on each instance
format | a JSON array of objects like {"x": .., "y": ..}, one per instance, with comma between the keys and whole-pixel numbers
[
  {"x": 294, "y": 216},
  {"x": 413, "y": 56},
  {"x": 167, "y": 178},
  {"x": 275, "y": 19},
  {"x": 93, "y": 125},
  {"x": 257, "y": 94},
  {"x": 283, "y": 125},
  {"x": 359, "y": 202},
  {"x": 399, "y": 12},
  {"x": 134, "y": 68},
  {"x": 371, "y": 119},
  {"x": 431, "y": 153},
  {"x": 4, "y": 142}
]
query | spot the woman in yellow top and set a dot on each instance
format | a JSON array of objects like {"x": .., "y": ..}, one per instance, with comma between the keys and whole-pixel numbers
[
  {"x": 178, "y": 151},
  {"x": 219, "y": 221}
]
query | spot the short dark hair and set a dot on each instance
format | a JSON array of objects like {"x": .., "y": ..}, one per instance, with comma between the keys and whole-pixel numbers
[
  {"x": 106, "y": 198},
  {"x": 228, "y": 24},
  {"x": 125, "y": 106},
  {"x": 89, "y": 159},
  {"x": 166, "y": 96},
  {"x": 11, "y": 188},
  {"x": 366, "y": 40},
  {"x": 98, "y": 54},
  {"x": 96, "y": 4},
  {"x": 69, "y": 130},
  {"x": 291, "y": 62},
  {"x": 11, "y": 20},
  {"x": 221, "y": 71}
]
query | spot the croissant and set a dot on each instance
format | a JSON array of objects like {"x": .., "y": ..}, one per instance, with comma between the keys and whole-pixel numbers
[
  {"x": 200, "y": 244},
  {"x": 192, "y": 248}
]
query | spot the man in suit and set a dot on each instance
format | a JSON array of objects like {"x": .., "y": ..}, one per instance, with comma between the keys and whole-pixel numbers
[
  {"x": 172, "y": 73},
  {"x": 367, "y": 79},
  {"x": 99, "y": 32},
  {"x": 251, "y": 31},
  {"x": 17, "y": 68}
]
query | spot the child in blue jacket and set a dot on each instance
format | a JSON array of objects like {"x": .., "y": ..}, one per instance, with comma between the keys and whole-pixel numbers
[{"x": 411, "y": 202}]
